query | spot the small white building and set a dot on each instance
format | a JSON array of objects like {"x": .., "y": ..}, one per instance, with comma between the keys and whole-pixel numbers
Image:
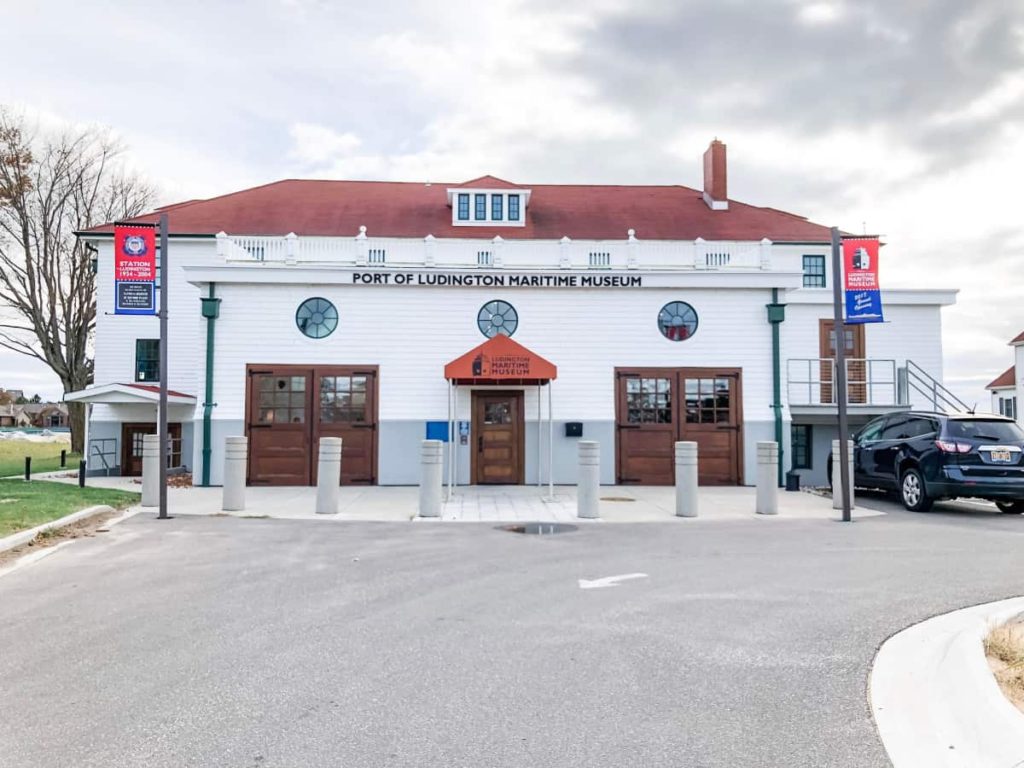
[
  {"x": 643, "y": 314},
  {"x": 1008, "y": 388}
]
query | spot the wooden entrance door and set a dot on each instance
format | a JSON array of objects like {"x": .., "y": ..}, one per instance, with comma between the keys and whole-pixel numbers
[
  {"x": 646, "y": 406},
  {"x": 655, "y": 407},
  {"x": 131, "y": 446},
  {"x": 498, "y": 427},
  {"x": 856, "y": 366},
  {"x": 290, "y": 407},
  {"x": 280, "y": 434},
  {"x": 346, "y": 400},
  {"x": 712, "y": 420}
]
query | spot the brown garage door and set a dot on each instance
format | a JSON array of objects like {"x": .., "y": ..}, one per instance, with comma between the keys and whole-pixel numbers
[
  {"x": 655, "y": 407},
  {"x": 291, "y": 407}
]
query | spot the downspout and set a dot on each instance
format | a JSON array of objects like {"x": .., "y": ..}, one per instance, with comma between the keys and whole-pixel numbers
[
  {"x": 211, "y": 310},
  {"x": 776, "y": 315}
]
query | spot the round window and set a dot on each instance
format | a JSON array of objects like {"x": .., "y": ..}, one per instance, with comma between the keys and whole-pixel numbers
[
  {"x": 677, "y": 321},
  {"x": 316, "y": 318},
  {"x": 497, "y": 317}
]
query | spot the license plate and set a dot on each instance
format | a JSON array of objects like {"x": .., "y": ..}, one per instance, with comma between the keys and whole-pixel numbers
[{"x": 1001, "y": 456}]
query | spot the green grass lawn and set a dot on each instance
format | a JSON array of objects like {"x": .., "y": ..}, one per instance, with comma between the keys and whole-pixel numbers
[
  {"x": 25, "y": 505},
  {"x": 45, "y": 457}
]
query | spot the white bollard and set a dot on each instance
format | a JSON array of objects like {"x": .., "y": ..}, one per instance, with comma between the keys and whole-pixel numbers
[
  {"x": 767, "y": 477},
  {"x": 150, "y": 470},
  {"x": 837, "y": 477},
  {"x": 686, "y": 479},
  {"x": 236, "y": 453},
  {"x": 431, "y": 469},
  {"x": 328, "y": 476},
  {"x": 589, "y": 480}
]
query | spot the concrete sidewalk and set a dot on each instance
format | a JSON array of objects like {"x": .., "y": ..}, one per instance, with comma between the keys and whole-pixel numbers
[{"x": 501, "y": 503}]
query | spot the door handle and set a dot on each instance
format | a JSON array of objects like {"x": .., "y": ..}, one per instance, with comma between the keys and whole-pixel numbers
[{"x": 480, "y": 444}]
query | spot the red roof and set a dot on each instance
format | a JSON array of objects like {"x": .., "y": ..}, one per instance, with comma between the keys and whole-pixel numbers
[
  {"x": 406, "y": 209},
  {"x": 500, "y": 360},
  {"x": 1019, "y": 339},
  {"x": 489, "y": 182},
  {"x": 149, "y": 388},
  {"x": 1007, "y": 378}
]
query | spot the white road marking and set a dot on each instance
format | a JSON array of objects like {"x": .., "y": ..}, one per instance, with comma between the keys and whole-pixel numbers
[{"x": 609, "y": 581}]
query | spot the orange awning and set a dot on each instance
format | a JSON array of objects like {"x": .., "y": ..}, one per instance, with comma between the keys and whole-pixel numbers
[{"x": 500, "y": 360}]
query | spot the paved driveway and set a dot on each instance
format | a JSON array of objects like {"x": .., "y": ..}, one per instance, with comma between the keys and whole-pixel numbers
[{"x": 226, "y": 642}]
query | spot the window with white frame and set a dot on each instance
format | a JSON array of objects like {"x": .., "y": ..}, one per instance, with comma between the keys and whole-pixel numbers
[
  {"x": 484, "y": 207},
  {"x": 1008, "y": 406}
]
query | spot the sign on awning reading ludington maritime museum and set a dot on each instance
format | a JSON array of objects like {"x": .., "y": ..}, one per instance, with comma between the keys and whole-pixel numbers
[
  {"x": 135, "y": 269},
  {"x": 863, "y": 297}
]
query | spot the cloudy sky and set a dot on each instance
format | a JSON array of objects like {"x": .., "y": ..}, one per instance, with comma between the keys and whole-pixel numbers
[{"x": 901, "y": 117}]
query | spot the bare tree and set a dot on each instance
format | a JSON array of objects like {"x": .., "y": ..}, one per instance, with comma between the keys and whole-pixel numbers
[{"x": 52, "y": 185}]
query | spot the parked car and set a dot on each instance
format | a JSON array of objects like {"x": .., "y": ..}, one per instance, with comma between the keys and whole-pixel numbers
[{"x": 928, "y": 457}]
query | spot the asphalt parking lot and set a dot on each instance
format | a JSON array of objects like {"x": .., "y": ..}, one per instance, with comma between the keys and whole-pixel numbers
[{"x": 219, "y": 641}]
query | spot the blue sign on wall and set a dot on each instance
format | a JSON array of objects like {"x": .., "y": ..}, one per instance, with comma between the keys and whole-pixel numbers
[{"x": 437, "y": 430}]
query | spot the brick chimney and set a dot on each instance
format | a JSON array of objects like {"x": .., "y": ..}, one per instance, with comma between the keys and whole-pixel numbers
[{"x": 715, "y": 188}]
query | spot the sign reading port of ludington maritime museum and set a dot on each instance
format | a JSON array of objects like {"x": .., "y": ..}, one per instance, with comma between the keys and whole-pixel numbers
[
  {"x": 135, "y": 269},
  {"x": 863, "y": 297}
]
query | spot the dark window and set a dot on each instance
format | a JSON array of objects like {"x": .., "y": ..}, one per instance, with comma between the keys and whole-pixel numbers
[
  {"x": 480, "y": 203},
  {"x": 984, "y": 429},
  {"x": 814, "y": 271},
  {"x": 896, "y": 429},
  {"x": 496, "y": 207},
  {"x": 513, "y": 207},
  {"x": 801, "y": 434},
  {"x": 648, "y": 401},
  {"x": 497, "y": 317},
  {"x": 147, "y": 359},
  {"x": 921, "y": 428},
  {"x": 343, "y": 399},
  {"x": 316, "y": 318},
  {"x": 708, "y": 401},
  {"x": 677, "y": 321},
  {"x": 463, "y": 206},
  {"x": 871, "y": 432},
  {"x": 282, "y": 399}
]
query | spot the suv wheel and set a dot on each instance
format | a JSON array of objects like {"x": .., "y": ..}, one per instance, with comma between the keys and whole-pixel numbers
[
  {"x": 1011, "y": 507},
  {"x": 913, "y": 493}
]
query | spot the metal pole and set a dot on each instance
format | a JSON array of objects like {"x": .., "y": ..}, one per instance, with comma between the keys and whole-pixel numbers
[
  {"x": 551, "y": 447},
  {"x": 840, "y": 371},
  {"x": 165, "y": 275},
  {"x": 539, "y": 458}
]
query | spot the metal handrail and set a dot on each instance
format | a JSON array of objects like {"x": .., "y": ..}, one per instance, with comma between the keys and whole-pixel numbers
[
  {"x": 928, "y": 386},
  {"x": 861, "y": 372}
]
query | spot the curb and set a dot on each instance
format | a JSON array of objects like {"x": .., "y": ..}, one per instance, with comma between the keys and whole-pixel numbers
[
  {"x": 24, "y": 537},
  {"x": 935, "y": 700}
]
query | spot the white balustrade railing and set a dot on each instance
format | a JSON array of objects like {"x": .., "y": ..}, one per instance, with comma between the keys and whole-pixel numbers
[{"x": 499, "y": 253}]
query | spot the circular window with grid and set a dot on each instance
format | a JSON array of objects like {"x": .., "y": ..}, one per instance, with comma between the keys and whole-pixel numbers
[
  {"x": 316, "y": 318},
  {"x": 497, "y": 317},
  {"x": 677, "y": 321}
]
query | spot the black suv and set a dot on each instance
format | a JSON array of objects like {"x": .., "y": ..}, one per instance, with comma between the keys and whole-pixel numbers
[{"x": 927, "y": 457}]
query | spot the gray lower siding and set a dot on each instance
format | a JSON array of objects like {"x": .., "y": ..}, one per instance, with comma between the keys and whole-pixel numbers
[{"x": 398, "y": 450}]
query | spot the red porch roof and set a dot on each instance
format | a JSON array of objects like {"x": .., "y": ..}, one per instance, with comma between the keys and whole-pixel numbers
[{"x": 500, "y": 360}]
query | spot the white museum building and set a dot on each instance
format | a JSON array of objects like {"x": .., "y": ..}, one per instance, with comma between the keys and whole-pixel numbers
[{"x": 511, "y": 320}]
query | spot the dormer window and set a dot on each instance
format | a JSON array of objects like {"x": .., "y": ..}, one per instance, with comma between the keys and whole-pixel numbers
[{"x": 488, "y": 201}]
